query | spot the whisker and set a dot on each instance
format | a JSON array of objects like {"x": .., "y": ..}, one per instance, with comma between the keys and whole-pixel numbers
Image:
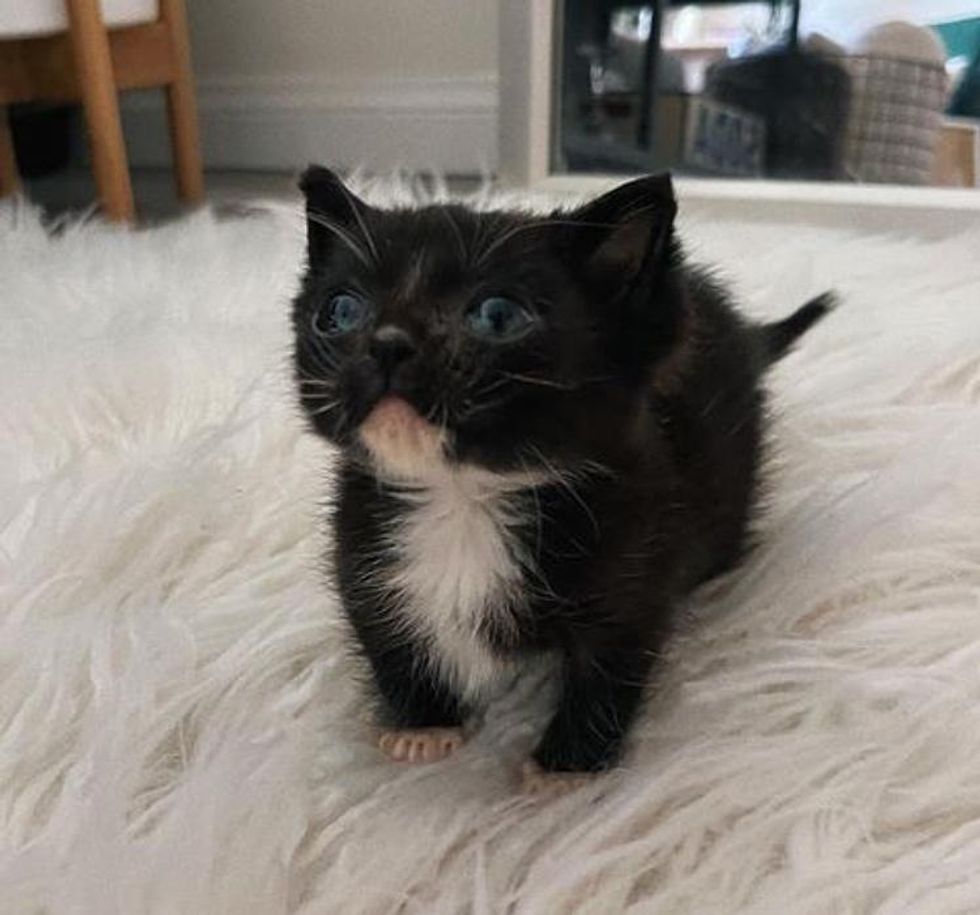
[
  {"x": 559, "y": 385},
  {"x": 454, "y": 226},
  {"x": 476, "y": 409},
  {"x": 491, "y": 387},
  {"x": 538, "y": 515},
  {"x": 484, "y": 226},
  {"x": 563, "y": 481},
  {"x": 320, "y": 354},
  {"x": 313, "y": 396},
  {"x": 326, "y": 354},
  {"x": 541, "y": 382},
  {"x": 326, "y": 408},
  {"x": 360, "y": 221},
  {"x": 506, "y": 236},
  {"x": 343, "y": 235},
  {"x": 318, "y": 363},
  {"x": 558, "y": 221}
]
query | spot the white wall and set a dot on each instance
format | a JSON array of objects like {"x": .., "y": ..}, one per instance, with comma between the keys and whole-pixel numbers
[
  {"x": 381, "y": 83},
  {"x": 332, "y": 39}
]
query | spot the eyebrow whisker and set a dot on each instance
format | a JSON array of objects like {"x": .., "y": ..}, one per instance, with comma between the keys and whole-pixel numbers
[{"x": 345, "y": 236}]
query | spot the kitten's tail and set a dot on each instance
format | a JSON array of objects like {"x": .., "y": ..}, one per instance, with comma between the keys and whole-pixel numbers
[{"x": 779, "y": 336}]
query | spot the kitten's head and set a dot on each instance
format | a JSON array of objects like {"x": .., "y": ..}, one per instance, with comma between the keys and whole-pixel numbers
[{"x": 440, "y": 336}]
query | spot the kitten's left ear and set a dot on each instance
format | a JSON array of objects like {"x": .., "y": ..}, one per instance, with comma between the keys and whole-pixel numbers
[
  {"x": 334, "y": 213},
  {"x": 626, "y": 231}
]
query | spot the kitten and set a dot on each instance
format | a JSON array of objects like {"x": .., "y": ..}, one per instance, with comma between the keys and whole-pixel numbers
[{"x": 550, "y": 429}]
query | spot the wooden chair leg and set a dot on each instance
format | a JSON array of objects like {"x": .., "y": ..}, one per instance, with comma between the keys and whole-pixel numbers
[
  {"x": 9, "y": 178},
  {"x": 182, "y": 107},
  {"x": 93, "y": 65}
]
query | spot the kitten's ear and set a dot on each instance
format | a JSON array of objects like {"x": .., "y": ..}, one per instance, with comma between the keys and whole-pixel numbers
[
  {"x": 334, "y": 214},
  {"x": 626, "y": 231}
]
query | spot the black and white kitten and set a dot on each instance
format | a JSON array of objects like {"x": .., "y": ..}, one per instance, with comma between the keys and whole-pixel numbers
[{"x": 550, "y": 430}]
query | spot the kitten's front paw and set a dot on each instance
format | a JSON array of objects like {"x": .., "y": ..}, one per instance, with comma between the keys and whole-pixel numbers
[
  {"x": 538, "y": 783},
  {"x": 420, "y": 745}
]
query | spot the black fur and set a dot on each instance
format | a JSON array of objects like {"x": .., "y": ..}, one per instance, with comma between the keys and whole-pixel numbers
[{"x": 639, "y": 395}]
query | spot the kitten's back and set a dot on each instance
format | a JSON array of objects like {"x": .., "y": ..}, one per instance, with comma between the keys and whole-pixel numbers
[{"x": 714, "y": 416}]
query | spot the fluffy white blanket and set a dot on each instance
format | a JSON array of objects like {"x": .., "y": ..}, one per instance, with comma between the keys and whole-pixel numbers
[{"x": 179, "y": 727}]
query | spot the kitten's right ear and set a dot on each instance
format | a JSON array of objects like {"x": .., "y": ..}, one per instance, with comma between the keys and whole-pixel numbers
[
  {"x": 334, "y": 214},
  {"x": 626, "y": 232}
]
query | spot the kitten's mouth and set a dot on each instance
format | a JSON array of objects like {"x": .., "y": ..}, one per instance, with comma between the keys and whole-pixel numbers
[{"x": 402, "y": 443}]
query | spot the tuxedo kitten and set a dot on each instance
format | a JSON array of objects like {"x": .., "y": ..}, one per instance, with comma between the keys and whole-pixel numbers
[{"x": 550, "y": 430}]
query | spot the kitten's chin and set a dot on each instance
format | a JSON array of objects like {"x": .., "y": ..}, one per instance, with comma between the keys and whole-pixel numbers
[{"x": 402, "y": 444}]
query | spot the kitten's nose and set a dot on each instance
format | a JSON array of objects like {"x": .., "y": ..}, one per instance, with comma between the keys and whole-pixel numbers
[{"x": 389, "y": 347}]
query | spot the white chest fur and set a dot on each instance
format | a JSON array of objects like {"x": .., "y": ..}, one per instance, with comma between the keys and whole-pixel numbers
[{"x": 459, "y": 563}]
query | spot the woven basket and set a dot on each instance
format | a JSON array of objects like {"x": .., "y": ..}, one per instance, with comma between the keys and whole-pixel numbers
[{"x": 894, "y": 120}]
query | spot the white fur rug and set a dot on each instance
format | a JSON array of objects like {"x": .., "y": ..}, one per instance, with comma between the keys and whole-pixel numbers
[{"x": 179, "y": 730}]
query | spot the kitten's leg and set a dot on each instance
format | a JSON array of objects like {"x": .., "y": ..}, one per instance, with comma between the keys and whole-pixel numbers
[
  {"x": 424, "y": 717},
  {"x": 601, "y": 692}
]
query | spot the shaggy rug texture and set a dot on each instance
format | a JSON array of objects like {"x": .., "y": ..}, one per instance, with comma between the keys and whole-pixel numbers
[{"x": 181, "y": 727}]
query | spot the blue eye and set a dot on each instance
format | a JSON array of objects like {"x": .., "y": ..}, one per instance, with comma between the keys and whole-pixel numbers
[
  {"x": 341, "y": 315},
  {"x": 499, "y": 319}
]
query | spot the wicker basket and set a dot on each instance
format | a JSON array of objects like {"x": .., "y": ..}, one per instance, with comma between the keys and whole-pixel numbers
[{"x": 895, "y": 118}]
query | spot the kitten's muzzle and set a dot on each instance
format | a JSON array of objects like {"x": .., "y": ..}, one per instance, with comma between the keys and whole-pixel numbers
[
  {"x": 390, "y": 347},
  {"x": 390, "y": 368}
]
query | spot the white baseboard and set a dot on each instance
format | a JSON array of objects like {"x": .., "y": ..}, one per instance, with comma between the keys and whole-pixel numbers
[{"x": 448, "y": 124}]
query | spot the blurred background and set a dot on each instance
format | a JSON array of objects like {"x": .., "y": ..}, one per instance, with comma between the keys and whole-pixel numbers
[
  {"x": 859, "y": 91},
  {"x": 844, "y": 90}
]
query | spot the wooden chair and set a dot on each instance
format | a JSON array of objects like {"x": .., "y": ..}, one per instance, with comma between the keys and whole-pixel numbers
[{"x": 92, "y": 61}]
